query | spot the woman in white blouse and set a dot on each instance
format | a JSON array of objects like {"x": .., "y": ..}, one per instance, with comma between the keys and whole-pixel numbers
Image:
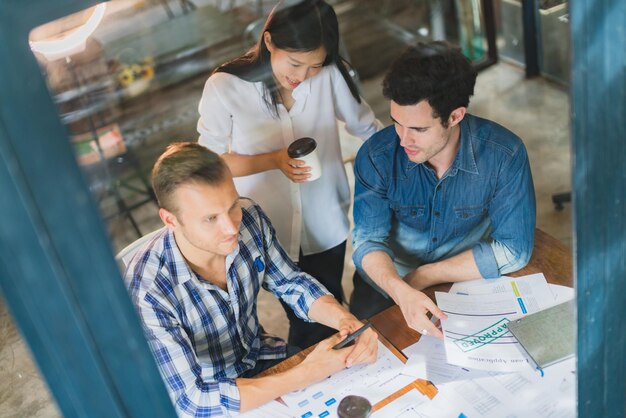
[{"x": 292, "y": 84}]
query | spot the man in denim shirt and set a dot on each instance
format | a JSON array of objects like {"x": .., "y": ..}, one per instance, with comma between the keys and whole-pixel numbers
[{"x": 440, "y": 196}]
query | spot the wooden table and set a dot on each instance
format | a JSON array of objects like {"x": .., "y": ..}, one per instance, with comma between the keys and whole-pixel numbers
[{"x": 550, "y": 257}]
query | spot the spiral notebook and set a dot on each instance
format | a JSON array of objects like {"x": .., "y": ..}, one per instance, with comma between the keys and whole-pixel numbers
[{"x": 547, "y": 336}]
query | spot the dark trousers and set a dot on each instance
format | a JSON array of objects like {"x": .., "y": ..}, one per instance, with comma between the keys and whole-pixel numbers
[
  {"x": 327, "y": 268},
  {"x": 366, "y": 301}
]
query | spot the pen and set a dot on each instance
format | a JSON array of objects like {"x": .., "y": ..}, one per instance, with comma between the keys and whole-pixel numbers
[{"x": 352, "y": 337}]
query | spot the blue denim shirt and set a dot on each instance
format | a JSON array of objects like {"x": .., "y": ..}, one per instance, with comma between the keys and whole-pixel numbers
[{"x": 484, "y": 202}]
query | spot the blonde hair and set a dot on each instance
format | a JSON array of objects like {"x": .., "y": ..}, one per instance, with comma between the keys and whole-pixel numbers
[{"x": 184, "y": 163}]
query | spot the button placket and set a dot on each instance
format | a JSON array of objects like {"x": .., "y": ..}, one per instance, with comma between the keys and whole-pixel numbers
[
  {"x": 436, "y": 220},
  {"x": 231, "y": 284},
  {"x": 294, "y": 188}
]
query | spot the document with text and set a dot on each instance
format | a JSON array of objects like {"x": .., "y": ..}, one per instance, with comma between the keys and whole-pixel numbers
[
  {"x": 550, "y": 393},
  {"x": 532, "y": 292},
  {"x": 373, "y": 381},
  {"x": 476, "y": 333}
]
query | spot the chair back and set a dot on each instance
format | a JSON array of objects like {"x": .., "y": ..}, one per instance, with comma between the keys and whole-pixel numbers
[{"x": 124, "y": 257}]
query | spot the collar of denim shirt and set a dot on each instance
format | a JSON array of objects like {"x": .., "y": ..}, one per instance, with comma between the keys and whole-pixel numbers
[{"x": 464, "y": 160}]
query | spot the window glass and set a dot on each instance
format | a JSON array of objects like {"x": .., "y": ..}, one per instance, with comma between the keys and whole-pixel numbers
[
  {"x": 552, "y": 31},
  {"x": 23, "y": 392},
  {"x": 554, "y": 41},
  {"x": 127, "y": 77}
]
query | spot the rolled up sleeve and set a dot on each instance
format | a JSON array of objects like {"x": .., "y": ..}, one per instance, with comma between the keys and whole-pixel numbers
[
  {"x": 372, "y": 212},
  {"x": 513, "y": 217},
  {"x": 359, "y": 118}
]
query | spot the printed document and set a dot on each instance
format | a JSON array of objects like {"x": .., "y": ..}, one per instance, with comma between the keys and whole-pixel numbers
[
  {"x": 272, "y": 409},
  {"x": 406, "y": 406},
  {"x": 531, "y": 292},
  {"x": 479, "y": 393},
  {"x": 476, "y": 332},
  {"x": 373, "y": 381}
]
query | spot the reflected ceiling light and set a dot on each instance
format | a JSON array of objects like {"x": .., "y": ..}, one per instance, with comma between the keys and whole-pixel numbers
[{"x": 73, "y": 42}]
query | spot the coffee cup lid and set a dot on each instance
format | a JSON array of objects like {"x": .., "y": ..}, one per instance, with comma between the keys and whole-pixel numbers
[
  {"x": 301, "y": 147},
  {"x": 353, "y": 406}
]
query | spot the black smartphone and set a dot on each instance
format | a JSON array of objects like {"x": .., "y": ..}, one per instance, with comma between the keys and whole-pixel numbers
[{"x": 349, "y": 340}]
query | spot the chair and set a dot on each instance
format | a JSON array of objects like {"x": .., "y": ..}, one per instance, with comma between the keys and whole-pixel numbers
[
  {"x": 231, "y": 5},
  {"x": 186, "y": 5},
  {"x": 120, "y": 178},
  {"x": 111, "y": 168},
  {"x": 125, "y": 256},
  {"x": 560, "y": 198}
]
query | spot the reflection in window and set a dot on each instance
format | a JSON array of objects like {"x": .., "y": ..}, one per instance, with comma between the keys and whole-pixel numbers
[
  {"x": 553, "y": 35},
  {"x": 23, "y": 392},
  {"x": 133, "y": 82}
]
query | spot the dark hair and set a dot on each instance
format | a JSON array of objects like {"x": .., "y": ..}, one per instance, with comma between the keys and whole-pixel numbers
[
  {"x": 301, "y": 27},
  {"x": 436, "y": 72},
  {"x": 183, "y": 163}
]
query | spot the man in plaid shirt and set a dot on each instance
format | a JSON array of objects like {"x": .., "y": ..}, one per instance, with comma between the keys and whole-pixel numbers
[{"x": 195, "y": 286}]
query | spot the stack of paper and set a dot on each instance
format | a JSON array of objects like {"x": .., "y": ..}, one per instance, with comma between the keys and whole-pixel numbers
[
  {"x": 480, "y": 375},
  {"x": 479, "y": 371},
  {"x": 479, "y": 393},
  {"x": 476, "y": 332}
]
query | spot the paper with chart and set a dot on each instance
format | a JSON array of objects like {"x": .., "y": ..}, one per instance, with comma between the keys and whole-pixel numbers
[
  {"x": 479, "y": 393},
  {"x": 372, "y": 381},
  {"x": 427, "y": 360},
  {"x": 531, "y": 292},
  {"x": 562, "y": 293},
  {"x": 476, "y": 334},
  {"x": 406, "y": 406},
  {"x": 272, "y": 409},
  {"x": 508, "y": 395}
]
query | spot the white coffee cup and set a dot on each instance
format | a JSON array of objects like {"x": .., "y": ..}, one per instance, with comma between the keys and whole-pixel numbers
[{"x": 305, "y": 149}]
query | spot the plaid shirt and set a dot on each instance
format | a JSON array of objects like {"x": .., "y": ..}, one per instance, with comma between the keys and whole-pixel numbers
[{"x": 203, "y": 337}]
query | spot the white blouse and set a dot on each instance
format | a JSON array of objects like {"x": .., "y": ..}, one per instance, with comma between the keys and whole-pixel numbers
[{"x": 235, "y": 118}]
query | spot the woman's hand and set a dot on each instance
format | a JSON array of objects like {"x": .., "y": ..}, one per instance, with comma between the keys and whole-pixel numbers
[{"x": 294, "y": 170}]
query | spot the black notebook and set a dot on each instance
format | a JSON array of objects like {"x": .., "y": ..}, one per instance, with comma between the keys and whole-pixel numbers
[{"x": 548, "y": 335}]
